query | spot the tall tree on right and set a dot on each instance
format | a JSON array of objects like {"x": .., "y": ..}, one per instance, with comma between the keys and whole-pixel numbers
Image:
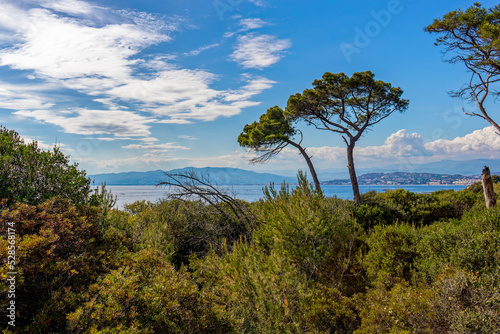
[
  {"x": 348, "y": 106},
  {"x": 473, "y": 38}
]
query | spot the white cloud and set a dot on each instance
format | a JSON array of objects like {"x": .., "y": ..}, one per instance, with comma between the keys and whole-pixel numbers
[
  {"x": 69, "y": 6},
  {"x": 255, "y": 86},
  {"x": 64, "y": 48},
  {"x": 187, "y": 137},
  {"x": 399, "y": 144},
  {"x": 485, "y": 142},
  {"x": 400, "y": 147},
  {"x": 118, "y": 123},
  {"x": 166, "y": 147},
  {"x": 249, "y": 24},
  {"x": 201, "y": 49},
  {"x": 100, "y": 52},
  {"x": 18, "y": 98},
  {"x": 258, "y": 3},
  {"x": 259, "y": 51},
  {"x": 169, "y": 88},
  {"x": 184, "y": 95}
]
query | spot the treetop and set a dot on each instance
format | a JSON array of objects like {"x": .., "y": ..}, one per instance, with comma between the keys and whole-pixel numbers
[
  {"x": 341, "y": 103},
  {"x": 272, "y": 128}
]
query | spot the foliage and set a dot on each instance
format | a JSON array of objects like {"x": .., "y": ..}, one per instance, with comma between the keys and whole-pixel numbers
[
  {"x": 439, "y": 278},
  {"x": 293, "y": 262},
  {"x": 391, "y": 254},
  {"x": 178, "y": 228},
  {"x": 60, "y": 251},
  {"x": 400, "y": 309},
  {"x": 271, "y": 135},
  {"x": 317, "y": 234},
  {"x": 263, "y": 292},
  {"x": 299, "y": 273},
  {"x": 31, "y": 175},
  {"x": 346, "y": 105},
  {"x": 457, "y": 301},
  {"x": 147, "y": 295},
  {"x": 472, "y": 244},
  {"x": 402, "y": 206}
]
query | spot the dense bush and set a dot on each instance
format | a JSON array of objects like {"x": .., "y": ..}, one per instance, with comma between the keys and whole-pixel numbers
[
  {"x": 391, "y": 254},
  {"x": 31, "y": 175},
  {"x": 147, "y": 295},
  {"x": 264, "y": 292},
  {"x": 443, "y": 278},
  {"x": 299, "y": 273},
  {"x": 319, "y": 235},
  {"x": 402, "y": 206},
  {"x": 60, "y": 251},
  {"x": 178, "y": 228}
]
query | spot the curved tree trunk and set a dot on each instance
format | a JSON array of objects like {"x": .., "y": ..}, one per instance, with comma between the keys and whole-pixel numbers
[
  {"x": 352, "y": 172},
  {"x": 309, "y": 164},
  {"x": 489, "y": 193}
]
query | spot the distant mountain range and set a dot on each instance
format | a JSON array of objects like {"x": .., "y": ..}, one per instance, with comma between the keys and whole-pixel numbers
[
  {"x": 221, "y": 176},
  {"x": 414, "y": 174}
]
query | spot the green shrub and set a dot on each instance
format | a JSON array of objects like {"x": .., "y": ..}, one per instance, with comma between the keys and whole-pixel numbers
[
  {"x": 147, "y": 295},
  {"x": 457, "y": 301},
  {"x": 263, "y": 292},
  {"x": 402, "y": 206},
  {"x": 317, "y": 234},
  {"x": 472, "y": 243},
  {"x": 467, "y": 302},
  {"x": 30, "y": 175},
  {"x": 401, "y": 309},
  {"x": 60, "y": 251},
  {"x": 177, "y": 228},
  {"x": 391, "y": 254}
]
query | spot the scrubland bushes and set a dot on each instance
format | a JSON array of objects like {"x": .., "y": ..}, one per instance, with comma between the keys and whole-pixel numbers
[{"x": 398, "y": 263}]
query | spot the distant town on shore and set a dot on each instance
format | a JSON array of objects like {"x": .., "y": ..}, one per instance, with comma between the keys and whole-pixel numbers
[{"x": 405, "y": 178}]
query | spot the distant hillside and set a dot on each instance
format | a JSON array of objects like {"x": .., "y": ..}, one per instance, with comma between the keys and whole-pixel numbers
[
  {"x": 233, "y": 176},
  {"x": 465, "y": 167},
  {"x": 402, "y": 178}
]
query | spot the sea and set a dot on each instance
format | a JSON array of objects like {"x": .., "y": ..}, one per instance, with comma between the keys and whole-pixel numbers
[{"x": 129, "y": 194}]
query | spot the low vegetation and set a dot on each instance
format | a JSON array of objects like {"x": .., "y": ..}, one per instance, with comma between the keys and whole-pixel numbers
[{"x": 397, "y": 263}]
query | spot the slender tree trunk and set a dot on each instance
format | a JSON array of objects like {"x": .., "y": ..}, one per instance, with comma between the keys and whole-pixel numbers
[
  {"x": 352, "y": 172},
  {"x": 489, "y": 194},
  {"x": 310, "y": 165}
]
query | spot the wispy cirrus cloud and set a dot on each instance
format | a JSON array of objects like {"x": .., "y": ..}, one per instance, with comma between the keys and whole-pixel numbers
[
  {"x": 187, "y": 137},
  {"x": 99, "y": 52},
  {"x": 252, "y": 23},
  {"x": 19, "y": 97},
  {"x": 201, "y": 49},
  {"x": 165, "y": 147},
  {"x": 117, "y": 123},
  {"x": 69, "y": 6},
  {"x": 259, "y": 51}
]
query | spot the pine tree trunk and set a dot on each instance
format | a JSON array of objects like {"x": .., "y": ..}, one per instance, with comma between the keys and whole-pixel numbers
[
  {"x": 310, "y": 165},
  {"x": 489, "y": 194},
  {"x": 352, "y": 173}
]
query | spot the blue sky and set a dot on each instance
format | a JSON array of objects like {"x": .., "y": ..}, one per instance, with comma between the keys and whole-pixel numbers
[{"x": 144, "y": 85}]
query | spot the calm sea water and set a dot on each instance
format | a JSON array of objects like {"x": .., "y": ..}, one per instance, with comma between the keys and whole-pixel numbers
[{"x": 130, "y": 194}]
